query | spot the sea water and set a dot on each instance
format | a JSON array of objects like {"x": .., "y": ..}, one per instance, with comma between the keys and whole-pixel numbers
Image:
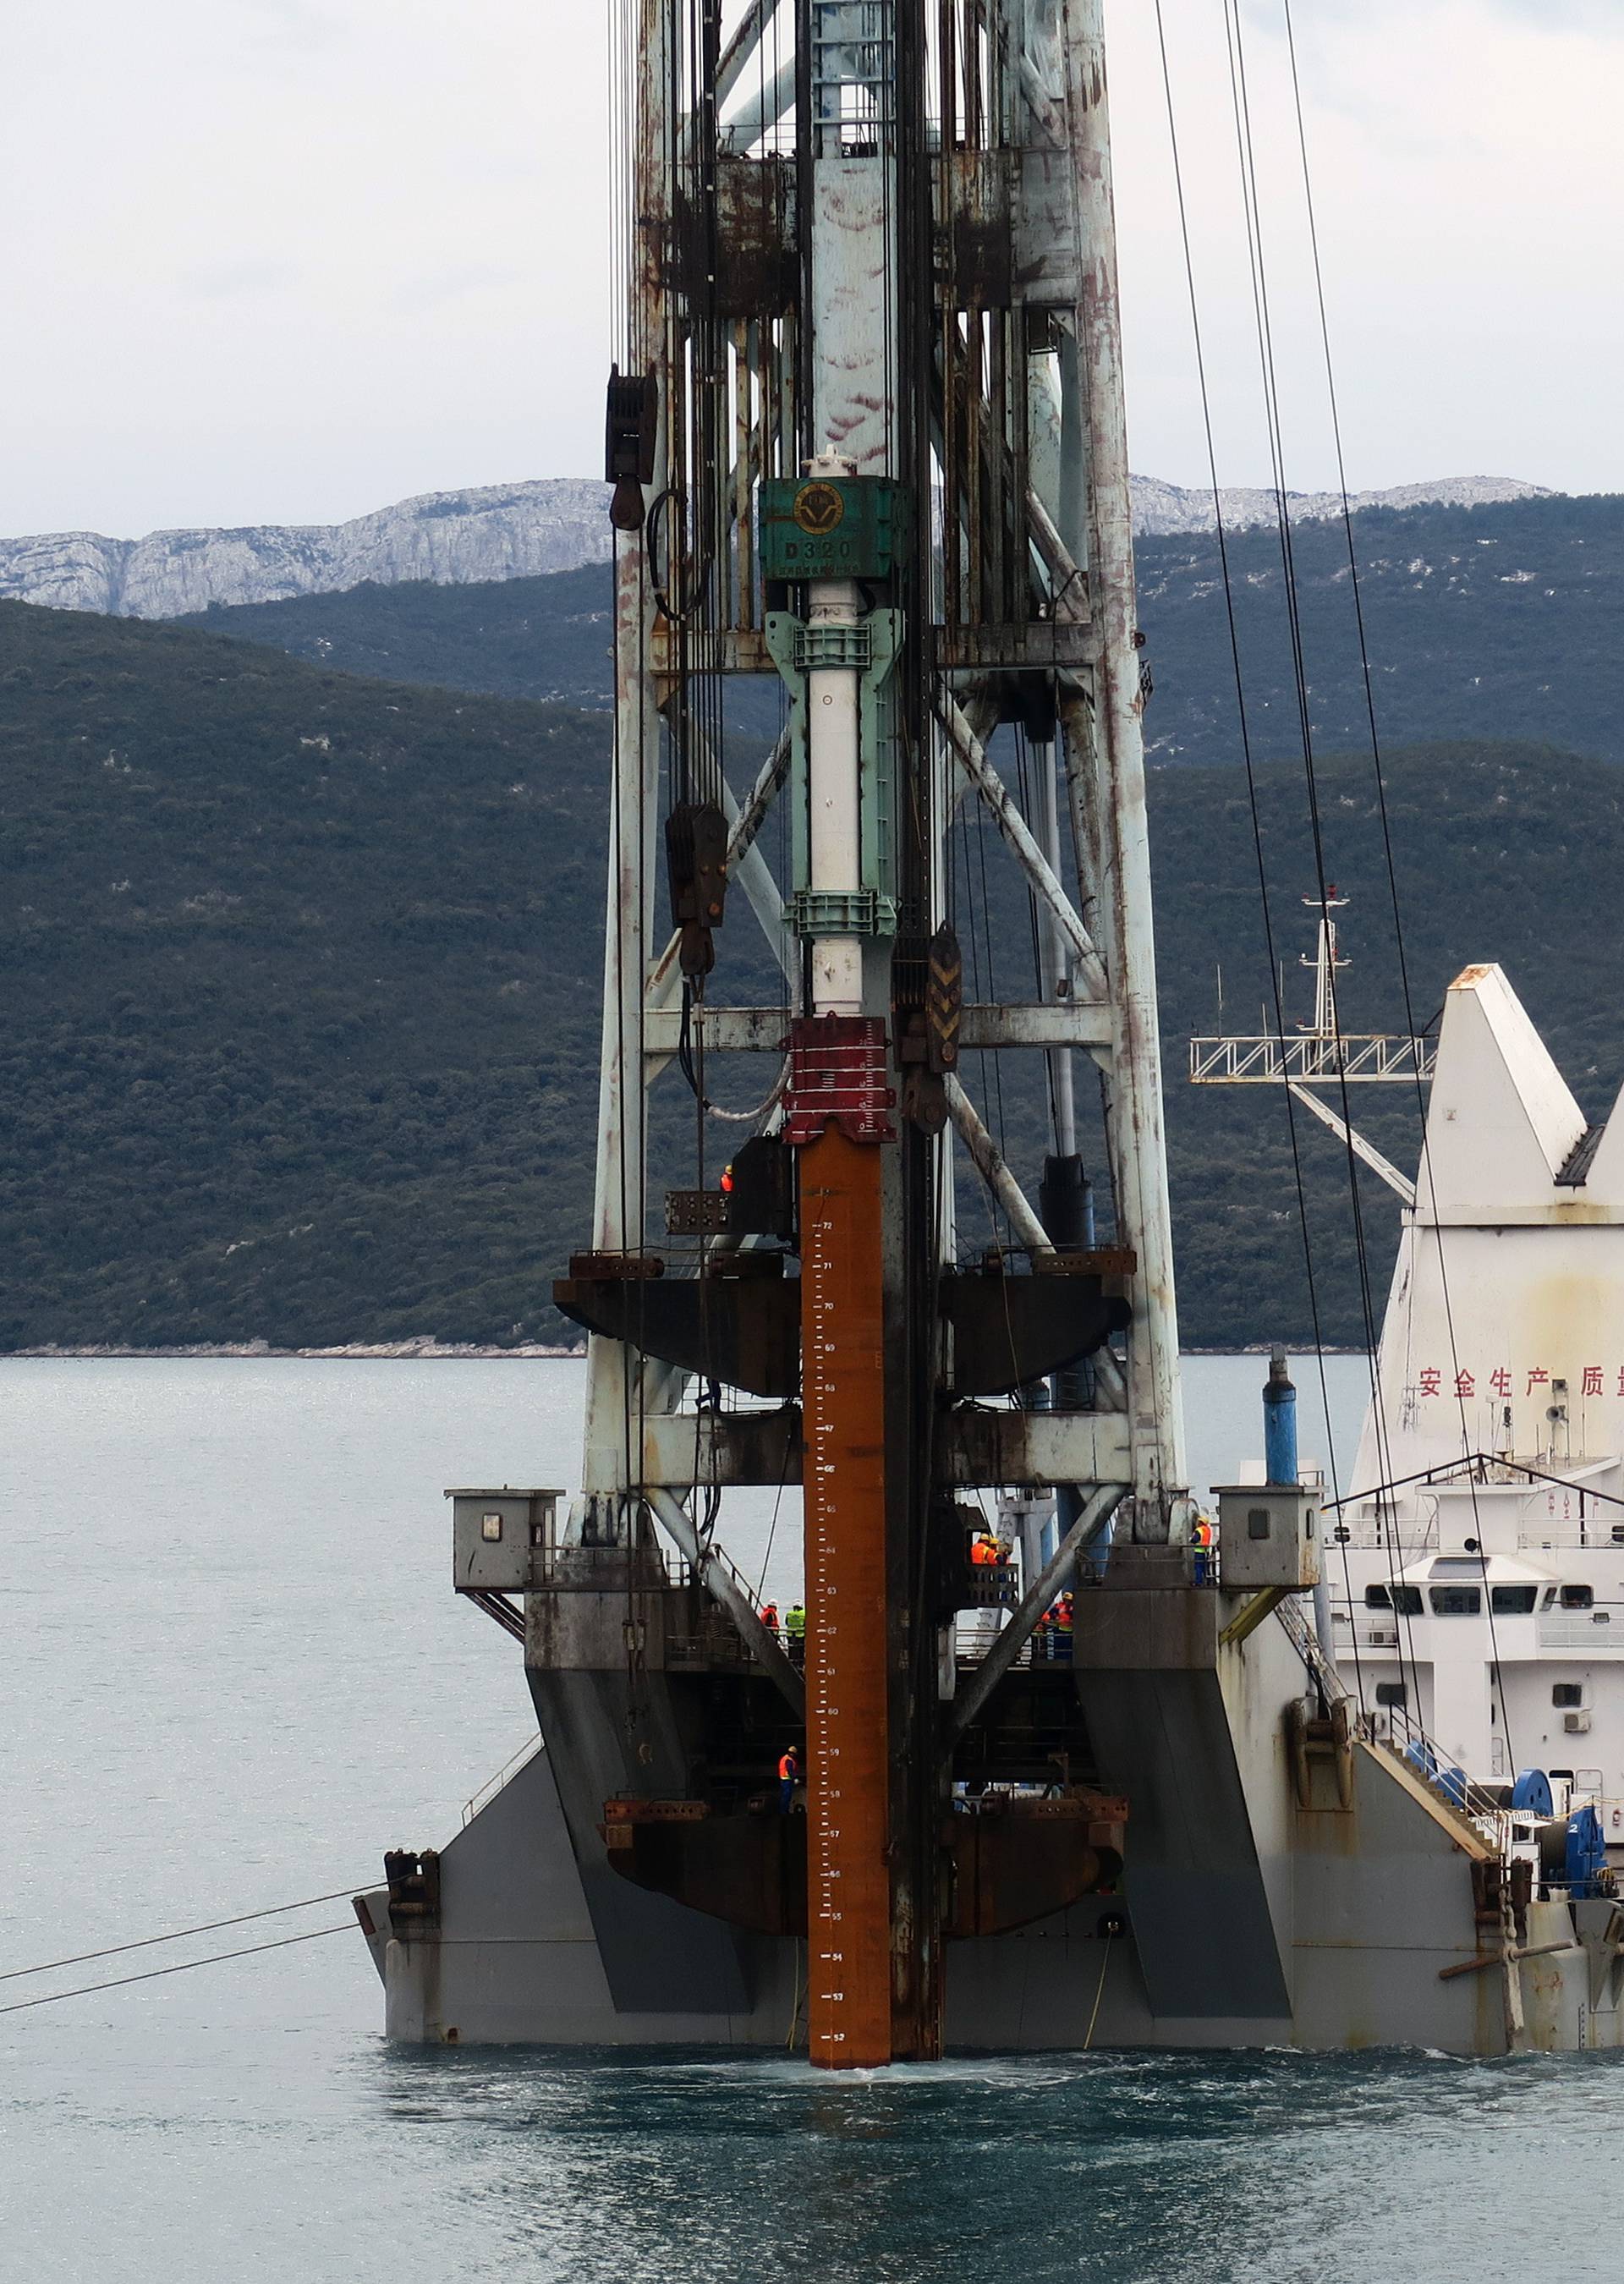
[{"x": 232, "y": 1671}]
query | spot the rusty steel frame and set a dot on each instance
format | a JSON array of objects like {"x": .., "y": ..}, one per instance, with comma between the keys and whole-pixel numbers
[
  {"x": 1023, "y": 426},
  {"x": 1161, "y": 1507}
]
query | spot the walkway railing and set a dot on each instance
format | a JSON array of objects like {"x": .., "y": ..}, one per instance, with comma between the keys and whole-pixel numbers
[{"x": 492, "y": 1785}]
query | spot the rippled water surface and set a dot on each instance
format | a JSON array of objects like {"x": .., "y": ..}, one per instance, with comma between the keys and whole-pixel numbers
[{"x": 233, "y": 1672}]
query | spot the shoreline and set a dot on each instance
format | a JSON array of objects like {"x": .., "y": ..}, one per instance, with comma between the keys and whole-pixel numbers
[
  {"x": 416, "y": 1350},
  {"x": 422, "y": 1348}
]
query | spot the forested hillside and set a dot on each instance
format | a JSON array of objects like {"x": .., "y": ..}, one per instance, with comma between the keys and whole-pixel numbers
[
  {"x": 549, "y": 638},
  {"x": 302, "y": 1002},
  {"x": 301, "y": 1008},
  {"x": 1503, "y": 621}
]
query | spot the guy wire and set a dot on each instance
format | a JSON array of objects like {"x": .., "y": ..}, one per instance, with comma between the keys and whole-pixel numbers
[
  {"x": 1357, "y": 592},
  {"x": 1251, "y": 204},
  {"x": 1251, "y": 795}
]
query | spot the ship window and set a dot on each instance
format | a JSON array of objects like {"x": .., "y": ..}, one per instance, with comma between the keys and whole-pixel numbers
[
  {"x": 1457, "y": 1601},
  {"x": 1587, "y": 1779},
  {"x": 1512, "y": 1601},
  {"x": 490, "y": 1527},
  {"x": 1391, "y": 1692},
  {"x": 1577, "y": 1597},
  {"x": 1550, "y": 1596},
  {"x": 1257, "y": 1522},
  {"x": 1405, "y": 1600},
  {"x": 1568, "y": 1692}
]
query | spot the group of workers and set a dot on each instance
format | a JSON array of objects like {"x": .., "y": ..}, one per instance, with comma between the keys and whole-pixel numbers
[
  {"x": 1051, "y": 1636},
  {"x": 793, "y": 1632}
]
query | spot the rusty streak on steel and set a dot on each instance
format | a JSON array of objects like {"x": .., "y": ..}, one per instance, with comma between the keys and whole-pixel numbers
[
  {"x": 972, "y": 759},
  {"x": 1121, "y": 878},
  {"x": 1071, "y": 586},
  {"x": 743, "y": 471},
  {"x": 619, "y": 1191},
  {"x": 1077, "y": 741},
  {"x": 849, "y": 1879},
  {"x": 1500, "y": 1957}
]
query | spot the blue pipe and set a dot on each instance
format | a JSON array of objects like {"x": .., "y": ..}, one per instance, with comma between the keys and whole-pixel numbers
[{"x": 1279, "y": 1423}]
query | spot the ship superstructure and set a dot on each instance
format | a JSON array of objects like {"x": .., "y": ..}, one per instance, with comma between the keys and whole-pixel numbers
[
  {"x": 867, "y": 447},
  {"x": 1476, "y": 1565}
]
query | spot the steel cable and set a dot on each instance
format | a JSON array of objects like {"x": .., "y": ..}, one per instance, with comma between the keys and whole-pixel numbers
[
  {"x": 1356, "y": 593},
  {"x": 186, "y": 1966},
  {"x": 1252, "y": 792},
  {"x": 1252, "y": 209},
  {"x": 178, "y": 1935}
]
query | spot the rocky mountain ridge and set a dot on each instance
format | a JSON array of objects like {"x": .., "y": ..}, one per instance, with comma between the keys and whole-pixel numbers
[
  {"x": 495, "y": 532},
  {"x": 1161, "y": 509}
]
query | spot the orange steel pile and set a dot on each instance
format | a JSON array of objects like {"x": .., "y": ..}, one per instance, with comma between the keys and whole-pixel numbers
[{"x": 848, "y": 1899}]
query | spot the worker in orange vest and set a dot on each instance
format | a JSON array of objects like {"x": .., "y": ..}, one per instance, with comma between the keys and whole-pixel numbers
[
  {"x": 1061, "y": 1615},
  {"x": 789, "y": 1777},
  {"x": 1202, "y": 1568},
  {"x": 769, "y": 1618}
]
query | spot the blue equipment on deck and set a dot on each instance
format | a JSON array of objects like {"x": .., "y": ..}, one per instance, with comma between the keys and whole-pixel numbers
[
  {"x": 1279, "y": 1421},
  {"x": 1531, "y": 1793},
  {"x": 1586, "y": 1856}
]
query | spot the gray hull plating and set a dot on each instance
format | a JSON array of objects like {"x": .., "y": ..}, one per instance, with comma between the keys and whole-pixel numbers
[{"x": 1377, "y": 1900}]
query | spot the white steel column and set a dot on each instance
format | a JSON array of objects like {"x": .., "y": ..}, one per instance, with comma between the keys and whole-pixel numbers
[
  {"x": 1054, "y": 952},
  {"x": 834, "y": 822},
  {"x": 610, "y": 1460},
  {"x": 1122, "y": 915}
]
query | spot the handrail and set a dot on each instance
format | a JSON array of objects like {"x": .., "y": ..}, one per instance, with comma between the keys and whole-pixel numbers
[
  {"x": 1306, "y": 1642},
  {"x": 1428, "y": 1758},
  {"x": 1447, "y": 1467},
  {"x": 492, "y": 1785}
]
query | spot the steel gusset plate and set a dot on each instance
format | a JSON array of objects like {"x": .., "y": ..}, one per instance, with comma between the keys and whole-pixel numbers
[
  {"x": 1006, "y": 1867},
  {"x": 1009, "y": 1331},
  {"x": 1028, "y": 1861},
  {"x": 749, "y": 1869},
  {"x": 742, "y": 1330}
]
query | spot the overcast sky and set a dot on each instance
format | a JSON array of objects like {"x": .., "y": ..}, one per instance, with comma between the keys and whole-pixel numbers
[{"x": 283, "y": 260}]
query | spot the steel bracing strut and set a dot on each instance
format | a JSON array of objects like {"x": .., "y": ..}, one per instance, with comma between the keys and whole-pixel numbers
[{"x": 868, "y": 441}]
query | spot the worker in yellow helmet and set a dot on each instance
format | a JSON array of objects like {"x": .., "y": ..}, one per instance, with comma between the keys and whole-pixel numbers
[{"x": 1202, "y": 1567}]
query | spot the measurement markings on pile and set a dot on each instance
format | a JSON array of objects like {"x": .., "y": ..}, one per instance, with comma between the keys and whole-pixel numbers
[{"x": 848, "y": 1897}]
